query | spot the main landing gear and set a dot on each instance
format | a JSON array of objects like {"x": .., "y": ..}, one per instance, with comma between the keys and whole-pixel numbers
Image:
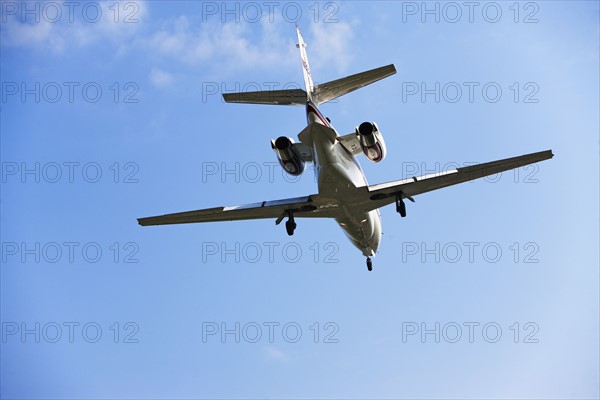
[
  {"x": 400, "y": 206},
  {"x": 290, "y": 224},
  {"x": 369, "y": 264}
]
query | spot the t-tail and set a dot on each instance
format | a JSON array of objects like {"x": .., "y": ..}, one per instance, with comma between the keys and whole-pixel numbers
[{"x": 319, "y": 93}]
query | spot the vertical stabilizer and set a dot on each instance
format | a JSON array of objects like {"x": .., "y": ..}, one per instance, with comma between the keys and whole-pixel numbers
[{"x": 305, "y": 67}]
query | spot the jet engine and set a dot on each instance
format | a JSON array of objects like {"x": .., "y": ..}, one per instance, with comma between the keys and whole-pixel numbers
[
  {"x": 288, "y": 156},
  {"x": 371, "y": 141}
]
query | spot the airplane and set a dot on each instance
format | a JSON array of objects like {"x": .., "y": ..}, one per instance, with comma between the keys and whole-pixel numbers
[{"x": 343, "y": 191}]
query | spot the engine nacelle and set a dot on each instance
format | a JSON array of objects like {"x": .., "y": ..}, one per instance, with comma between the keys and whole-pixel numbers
[
  {"x": 371, "y": 141},
  {"x": 288, "y": 156}
]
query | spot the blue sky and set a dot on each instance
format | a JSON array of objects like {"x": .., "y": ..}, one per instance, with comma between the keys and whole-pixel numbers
[{"x": 112, "y": 116}]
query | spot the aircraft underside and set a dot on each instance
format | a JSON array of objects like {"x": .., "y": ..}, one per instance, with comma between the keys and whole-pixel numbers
[
  {"x": 343, "y": 192},
  {"x": 338, "y": 176}
]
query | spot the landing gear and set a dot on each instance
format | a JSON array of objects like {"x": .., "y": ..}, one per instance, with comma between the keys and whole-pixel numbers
[
  {"x": 290, "y": 224},
  {"x": 369, "y": 264},
  {"x": 400, "y": 206}
]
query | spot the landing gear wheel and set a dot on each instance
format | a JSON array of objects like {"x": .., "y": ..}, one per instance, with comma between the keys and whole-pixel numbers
[
  {"x": 369, "y": 264},
  {"x": 290, "y": 225}
]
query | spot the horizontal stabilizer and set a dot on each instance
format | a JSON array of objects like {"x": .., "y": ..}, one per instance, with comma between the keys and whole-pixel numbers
[
  {"x": 293, "y": 97},
  {"x": 320, "y": 93},
  {"x": 328, "y": 91}
]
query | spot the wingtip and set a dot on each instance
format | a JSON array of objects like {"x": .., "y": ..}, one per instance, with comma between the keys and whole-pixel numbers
[{"x": 548, "y": 154}]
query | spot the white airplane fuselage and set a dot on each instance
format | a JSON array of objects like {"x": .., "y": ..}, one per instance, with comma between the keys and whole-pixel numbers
[{"x": 339, "y": 173}]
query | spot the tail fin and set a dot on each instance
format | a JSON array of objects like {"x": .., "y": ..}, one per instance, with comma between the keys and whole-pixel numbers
[
  {"x": 318, "y": 94},
  {"x": 308, "y": 82}
]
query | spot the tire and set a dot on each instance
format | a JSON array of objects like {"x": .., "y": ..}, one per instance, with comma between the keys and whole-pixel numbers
[{"x": 290, "y": 226}]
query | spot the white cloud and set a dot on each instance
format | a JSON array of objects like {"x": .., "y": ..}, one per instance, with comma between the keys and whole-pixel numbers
[
  {"x": 59, "y": 27},
  {"x": 238, "y": 46},
  {"x": 160, "y": 78},
  {"x": 275, "y": 354},
  {"x": 172, "y": 37},
  {"x": 331, "y": 46},
  {"x": 225, "y": 45},
  {"x": 19, "y": 34}
]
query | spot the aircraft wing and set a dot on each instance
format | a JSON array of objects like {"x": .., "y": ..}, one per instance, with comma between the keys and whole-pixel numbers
[
  {"x": 307, "y": 206},
  {"x": 375, "y": 196},
  {"x": 364, "y": 199}
]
